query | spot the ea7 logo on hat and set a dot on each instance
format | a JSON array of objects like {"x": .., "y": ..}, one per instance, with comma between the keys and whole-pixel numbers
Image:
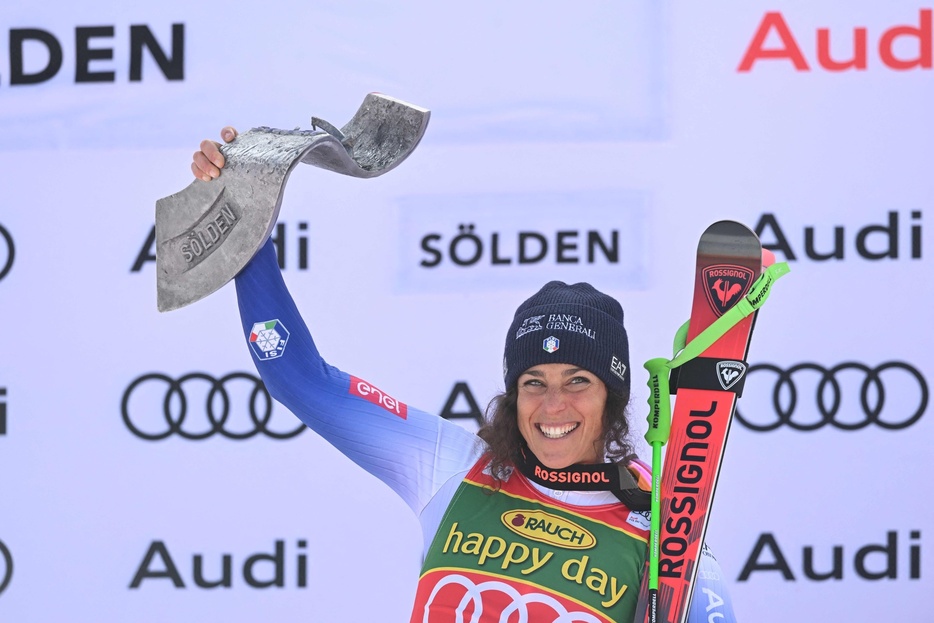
[
  {"x": 551, "y": 344},
  {"x": 730, "y": 372},
  {"x": 726, "y": 284},
  {"x": 618, "y": 368},
  {"x": 268, "y": 339}
]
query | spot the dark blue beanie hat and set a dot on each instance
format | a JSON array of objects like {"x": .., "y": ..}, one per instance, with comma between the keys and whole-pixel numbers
[{"x": 575, "y": 324}]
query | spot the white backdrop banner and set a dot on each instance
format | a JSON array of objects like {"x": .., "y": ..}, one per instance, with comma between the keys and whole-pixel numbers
[{"x": 146, "y": 477}]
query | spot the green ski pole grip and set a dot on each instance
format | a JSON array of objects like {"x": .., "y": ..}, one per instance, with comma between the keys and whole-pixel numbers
[
  {"x": 659, "y": 401},
  {"x": 657, "y": 435}
]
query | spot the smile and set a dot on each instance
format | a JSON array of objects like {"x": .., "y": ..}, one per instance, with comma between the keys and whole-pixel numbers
[{"x": 557, "y": 432}]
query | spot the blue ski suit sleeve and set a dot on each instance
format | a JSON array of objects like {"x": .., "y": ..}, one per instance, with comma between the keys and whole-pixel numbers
[
  {"x": 711, "y": 601},
  {"x": 414, "y": 455}
]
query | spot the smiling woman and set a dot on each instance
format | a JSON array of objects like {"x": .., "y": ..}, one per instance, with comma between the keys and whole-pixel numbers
[
  {"x": 543, "y": 518},
  {"x": 567, "y": 383},
  {"x": 560, "y": 414}
]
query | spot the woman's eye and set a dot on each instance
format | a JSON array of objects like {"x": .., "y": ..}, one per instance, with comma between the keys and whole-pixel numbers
[
  {"x": 533, "y": 386},
  {"x": 579, "y": 382}
]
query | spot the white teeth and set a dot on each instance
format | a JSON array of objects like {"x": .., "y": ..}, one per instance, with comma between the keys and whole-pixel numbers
[{"x": 556, "y": 432}]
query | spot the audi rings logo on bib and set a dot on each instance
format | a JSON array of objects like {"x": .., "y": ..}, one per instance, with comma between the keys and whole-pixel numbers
[
  {"x": 848, "y": 396},
  {"x": 197, "y": 406},
  {"x": 6, "y": 570}
]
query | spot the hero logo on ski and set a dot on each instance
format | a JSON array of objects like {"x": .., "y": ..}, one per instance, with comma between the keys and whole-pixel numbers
[
  {"x": 726, "y": 284},
  {"x": 729, "y": 373}
]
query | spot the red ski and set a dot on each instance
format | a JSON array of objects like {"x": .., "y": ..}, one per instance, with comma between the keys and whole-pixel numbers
[{"x": 729, "y": 260}]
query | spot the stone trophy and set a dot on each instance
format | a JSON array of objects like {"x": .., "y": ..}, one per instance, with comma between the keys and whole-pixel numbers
[{"x": 206, "y": 233}]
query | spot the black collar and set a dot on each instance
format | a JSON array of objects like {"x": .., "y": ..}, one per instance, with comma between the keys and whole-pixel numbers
[{"x": 613, "y": 477}]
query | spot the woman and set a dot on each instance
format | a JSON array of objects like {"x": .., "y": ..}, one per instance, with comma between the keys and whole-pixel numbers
[{"x": 541, "y": 516}]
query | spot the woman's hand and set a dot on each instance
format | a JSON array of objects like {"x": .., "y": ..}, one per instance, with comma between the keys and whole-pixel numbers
[{"x": 206, "y": 164}]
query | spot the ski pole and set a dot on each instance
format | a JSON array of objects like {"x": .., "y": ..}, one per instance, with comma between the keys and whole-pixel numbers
[{"x": 657, "y": 436}]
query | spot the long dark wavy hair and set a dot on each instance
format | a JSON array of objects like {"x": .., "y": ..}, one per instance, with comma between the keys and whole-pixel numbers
[{"x": 503, "y": 438}]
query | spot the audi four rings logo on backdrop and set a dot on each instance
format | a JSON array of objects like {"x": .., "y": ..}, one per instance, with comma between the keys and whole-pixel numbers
[
  {"x": 7, "y": 252},
  {"x": 197, "y": 406},
  {"x": 848, "y": 396},
  {"x": 6, "y": 571}
]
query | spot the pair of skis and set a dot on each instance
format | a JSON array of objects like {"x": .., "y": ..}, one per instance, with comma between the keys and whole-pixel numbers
[{"x": 732, "y": 281}]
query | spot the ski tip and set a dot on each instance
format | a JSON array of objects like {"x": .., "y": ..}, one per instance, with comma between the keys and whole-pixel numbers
[
  {"x": 726, "y": 226},
  {"x": 730, "y": 238}
]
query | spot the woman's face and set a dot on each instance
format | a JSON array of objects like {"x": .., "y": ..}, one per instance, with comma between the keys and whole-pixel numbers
[{"x": 560, "y": 409}]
